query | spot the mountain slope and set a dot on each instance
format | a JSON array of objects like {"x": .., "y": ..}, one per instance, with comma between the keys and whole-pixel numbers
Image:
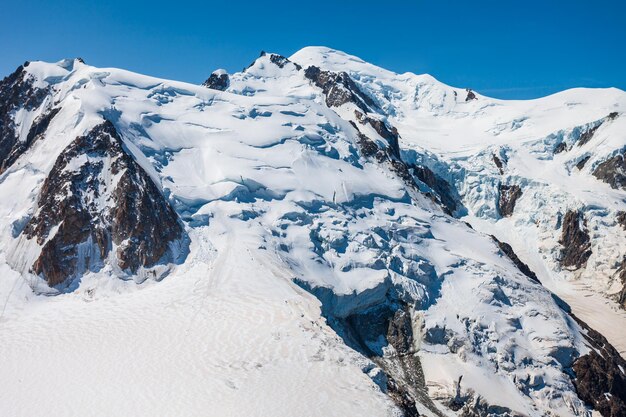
[
  {"x": 560, "y": 154},
  {"x": 312, "y": 259}
]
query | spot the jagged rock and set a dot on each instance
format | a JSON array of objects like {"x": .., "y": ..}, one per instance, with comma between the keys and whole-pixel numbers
[
  {"x": 498, "y": 163},
  {"x": 18, "y": 91},
  {"x": 218, "y": 80},
  {"x": 562, "y": 146},
  {"x": 442, "y": 188},
  {"x": 621, "y": 273},
  {"x": 588, "y": 134},
  {"x": 621, "y": 218},
  {"x": 600, "y": 375},
  {"x": 443, "y": 195},
  {"x": 470, "y": 95},
  {"x": 508, "y": 251},
  {"x": 97, "y": 196},
  {"x": 575, "y": 240},
  {"x": 389, "y": 133},
  {"x": 390, "y": 321},
  {"x": 581, "y": 164},
  {"x": 509, "y": 194},
  {"x": 339, "y": 89},
  {"x": 613, "y": 171},
  {"x": 281, "y": 61}
]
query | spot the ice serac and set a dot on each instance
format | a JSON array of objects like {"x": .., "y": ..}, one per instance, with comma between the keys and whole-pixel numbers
[{"x": 98, "y": 205}]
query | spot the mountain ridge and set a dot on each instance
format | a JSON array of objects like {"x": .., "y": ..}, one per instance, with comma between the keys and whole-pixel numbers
[{"x": 322, "y": 171}]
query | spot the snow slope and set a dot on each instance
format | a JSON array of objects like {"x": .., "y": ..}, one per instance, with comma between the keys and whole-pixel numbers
[{"x": 300, "y": 244}]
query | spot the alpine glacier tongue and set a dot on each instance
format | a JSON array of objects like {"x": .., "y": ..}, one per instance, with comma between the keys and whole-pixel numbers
[{"x": 313, "y": 235}]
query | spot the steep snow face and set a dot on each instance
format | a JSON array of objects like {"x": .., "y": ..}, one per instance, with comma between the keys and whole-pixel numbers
[
  {"x": 558, "y": 154},
  {"x": 288, "y": 180}
]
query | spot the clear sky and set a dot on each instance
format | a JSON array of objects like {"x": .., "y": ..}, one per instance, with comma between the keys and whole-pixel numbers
[{"x": 505, "y": 48}]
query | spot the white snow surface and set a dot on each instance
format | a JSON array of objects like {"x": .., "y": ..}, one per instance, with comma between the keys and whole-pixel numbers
[{"x": 271, "y": 189}]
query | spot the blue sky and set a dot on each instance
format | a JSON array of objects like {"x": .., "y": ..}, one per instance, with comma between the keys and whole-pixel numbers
[{"x": 506, "y": 48}]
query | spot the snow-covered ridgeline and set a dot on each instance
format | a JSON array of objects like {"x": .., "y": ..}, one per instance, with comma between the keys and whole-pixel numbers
[{"x": 280, "y": 159}]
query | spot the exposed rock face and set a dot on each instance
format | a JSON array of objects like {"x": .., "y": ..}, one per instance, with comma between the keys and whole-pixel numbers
[
  {"x": 470, "y": 95},
  {"x": 278, "y": 60},
  {"x": 613, "y": 171},
  {"x": 339, "y": 89},
  {"x": 621, "y": 273},
  {"x": 575, "y": 240},
  {"x": 508, "y": 251},
  {"x": 389, "y": 133},
  {"x": 581, "y": 164},
  {"x": 281, "y": 61},
  {"x": 444, "y": 191},
  {"x": 600, "y": 376},
  {"x": 390, "y": 321},
  {"x": 509, "y": 194},
  {"x": 17, "y": 91},
  {"x": 218, "y": 80},
  {"x": 621, "y": 218},
  {"x": 561, "y": 147},
  {"x": 498, "y": 163},
  {"x": 97, "y": 198},
  {"x": 588, "y": 134}
]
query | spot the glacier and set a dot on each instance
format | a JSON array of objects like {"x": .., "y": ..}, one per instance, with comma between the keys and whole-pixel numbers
[{"x": 319, "y": 237}]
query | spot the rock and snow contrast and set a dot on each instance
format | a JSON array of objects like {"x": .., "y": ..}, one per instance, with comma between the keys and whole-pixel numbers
[{"x": 312, "y": 236}]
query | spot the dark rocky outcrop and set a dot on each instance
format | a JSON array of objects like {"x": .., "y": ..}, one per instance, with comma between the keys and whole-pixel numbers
[
  {"x": 281, "y": 61},
  {"x": 509, "y": 194},
  {"x": 613, "y": 171},
  {"x": 392, "y": 321},
  {"x": 339, "y": 89},
  {"x": 581, "y": 164},
  {"x": 561, "y": 147},
  {"x": 218, "y": 80},
  {"x": 389, "y": 133},
  {"x": 498, "y": 163},
  {"x": 17, "y": 91},
  {"x": 438, "y": 190},
  {"x": 621, "y": 274},
  {"x": 621, "y": 218},
  {"x": 600, "y": 377},
  {"x": 508, "y": 251},
  {"x": 95, "y": 197},
  {"x": 470, "y": 95},
  {"x": 575, "y": 240},
  {"x": 588, "y": 134},
  {"x": 276, "y": 59},
  {"x": 446, "y": 194}
]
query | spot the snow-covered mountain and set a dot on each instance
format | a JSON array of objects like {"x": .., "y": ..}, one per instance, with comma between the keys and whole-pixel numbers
[{"x": 312, "y": 236}]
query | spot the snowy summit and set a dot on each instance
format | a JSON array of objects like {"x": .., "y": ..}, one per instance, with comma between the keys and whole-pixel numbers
[{"x": 312, "y": 236}]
